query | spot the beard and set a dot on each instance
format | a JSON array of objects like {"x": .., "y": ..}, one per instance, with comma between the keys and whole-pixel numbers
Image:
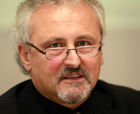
[{"x": 73, "y": 92}]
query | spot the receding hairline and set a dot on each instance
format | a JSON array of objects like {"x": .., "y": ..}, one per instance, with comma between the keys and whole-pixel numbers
[{"x": 54, "y": 6}]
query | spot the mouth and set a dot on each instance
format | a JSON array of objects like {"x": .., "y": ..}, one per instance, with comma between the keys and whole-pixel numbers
[{"x": 73, "y": 77}]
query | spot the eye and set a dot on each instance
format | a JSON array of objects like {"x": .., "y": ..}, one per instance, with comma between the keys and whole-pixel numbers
[
  {"x": 55, "y": 45},
  {"x": 83, "y": 43}
]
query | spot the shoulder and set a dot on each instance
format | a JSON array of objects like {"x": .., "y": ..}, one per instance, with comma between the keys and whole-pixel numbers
[
  {"x": 117, "y": 90},
  {"x": 128, "y": 97},
  {"x": 9, "y": 100}
]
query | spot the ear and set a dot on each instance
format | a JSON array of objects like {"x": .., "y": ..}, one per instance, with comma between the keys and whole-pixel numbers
[
  {"x": 102, "y": 59},
  {"x": 24, "y": 56}
]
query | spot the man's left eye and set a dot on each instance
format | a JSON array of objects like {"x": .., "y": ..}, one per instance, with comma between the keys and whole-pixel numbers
[{"x": 83, "y": 43}]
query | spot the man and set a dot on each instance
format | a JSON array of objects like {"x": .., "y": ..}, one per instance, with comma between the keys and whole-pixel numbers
[{"x": 59, "y": 46}]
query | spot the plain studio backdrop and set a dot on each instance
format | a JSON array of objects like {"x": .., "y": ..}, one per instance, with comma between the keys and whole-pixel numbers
[{"x": 121, "y": 44}]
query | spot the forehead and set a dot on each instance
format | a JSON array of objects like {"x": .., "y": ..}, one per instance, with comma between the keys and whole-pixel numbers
[
  {"x": 63, "y": 12},
  {"x": 64, "y": 20}
]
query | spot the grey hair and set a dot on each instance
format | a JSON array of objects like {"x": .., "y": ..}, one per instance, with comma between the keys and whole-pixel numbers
[{"x": 25, "y": 10}]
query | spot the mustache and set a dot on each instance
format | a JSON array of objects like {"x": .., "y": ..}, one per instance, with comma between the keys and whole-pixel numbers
[{"x": 69, "y": 70}]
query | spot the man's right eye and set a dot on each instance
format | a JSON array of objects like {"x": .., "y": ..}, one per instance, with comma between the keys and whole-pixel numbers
[{"x": 55, "y": 45}]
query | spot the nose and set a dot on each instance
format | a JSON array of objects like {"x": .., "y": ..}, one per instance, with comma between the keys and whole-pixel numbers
[{"x": 72, "y": 59}]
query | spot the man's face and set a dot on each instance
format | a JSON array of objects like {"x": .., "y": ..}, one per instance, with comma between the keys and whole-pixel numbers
[{"x": 71, "y": 79}]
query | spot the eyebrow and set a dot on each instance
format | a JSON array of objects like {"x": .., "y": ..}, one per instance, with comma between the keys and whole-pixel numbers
[
  {"x": 87, "y": 37},
  {"x": 52, "y": 40}
]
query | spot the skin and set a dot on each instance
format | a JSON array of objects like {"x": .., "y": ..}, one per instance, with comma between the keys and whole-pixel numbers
[{"x": 68, "y": 23}]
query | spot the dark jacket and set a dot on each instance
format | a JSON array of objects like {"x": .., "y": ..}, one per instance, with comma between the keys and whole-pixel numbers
[{"x": 105, "y": 99}]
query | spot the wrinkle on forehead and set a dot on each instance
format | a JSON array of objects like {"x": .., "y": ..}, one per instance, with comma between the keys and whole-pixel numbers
[{"x": 63, "y": 14}]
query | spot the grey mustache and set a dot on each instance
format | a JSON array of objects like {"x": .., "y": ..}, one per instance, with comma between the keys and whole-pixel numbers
[{"x": 69, "y": 70}]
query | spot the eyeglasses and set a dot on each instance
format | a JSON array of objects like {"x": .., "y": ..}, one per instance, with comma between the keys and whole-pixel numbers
[{"x": 62, "y": 52}]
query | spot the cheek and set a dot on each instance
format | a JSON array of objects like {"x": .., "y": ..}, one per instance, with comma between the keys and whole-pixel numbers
[
  {"x": 92, "y": 65},
  {"x": 54, "y": 65},
  {"x": 93, "y": 68}
]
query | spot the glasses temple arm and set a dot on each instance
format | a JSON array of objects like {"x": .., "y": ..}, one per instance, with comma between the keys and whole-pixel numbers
[{"x": 36, "y": 48}]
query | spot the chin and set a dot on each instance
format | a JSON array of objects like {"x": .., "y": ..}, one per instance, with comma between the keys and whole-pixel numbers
[{"x": 74, "y": 93}]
